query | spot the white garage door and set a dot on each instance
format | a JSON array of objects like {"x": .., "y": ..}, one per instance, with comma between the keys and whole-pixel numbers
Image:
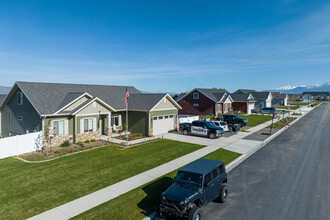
[
  {"x": 250, "y": 107},
  {"x": 268, "y": 103},
  {"x": 163, "y": 124}
]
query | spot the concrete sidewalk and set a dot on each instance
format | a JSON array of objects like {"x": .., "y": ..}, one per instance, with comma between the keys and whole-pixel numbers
[{"x": 85, "y": 203}]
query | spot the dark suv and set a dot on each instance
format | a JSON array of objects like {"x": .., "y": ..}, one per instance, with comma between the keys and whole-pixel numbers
[
  {"x": 235, "y": 119},
  {"x": 195, "y": 185}
]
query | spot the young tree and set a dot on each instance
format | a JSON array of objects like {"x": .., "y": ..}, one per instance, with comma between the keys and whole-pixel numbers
[{"x": 48, "y": 136}]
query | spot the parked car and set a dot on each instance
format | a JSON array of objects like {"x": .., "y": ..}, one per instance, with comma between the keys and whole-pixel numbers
[
  {"x": 201, "y": 128},
  {"x": 195, "y": 185},
  {"x": 220, "y": 124},
  {"x": 269, "y": 110},
  {"x": 235, "y": 119}
]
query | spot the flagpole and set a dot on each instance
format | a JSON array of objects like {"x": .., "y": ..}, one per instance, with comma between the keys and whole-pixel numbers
[{"x": 127, "y": 123}]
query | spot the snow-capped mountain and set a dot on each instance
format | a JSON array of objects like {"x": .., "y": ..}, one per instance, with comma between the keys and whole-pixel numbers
[{"x": 302, "y": 88}]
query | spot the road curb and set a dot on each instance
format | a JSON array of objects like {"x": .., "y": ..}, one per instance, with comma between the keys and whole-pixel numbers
[{"x": 242, "y": 158}]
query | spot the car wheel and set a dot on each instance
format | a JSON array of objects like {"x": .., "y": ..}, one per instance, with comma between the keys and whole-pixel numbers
[
  {"x": 223, "y": 193},
  {"x": 185, "y": 132},
  {"x": 212, "y": 135},
  {"x": 242, "y": 125},
  {"x": 195, "y": 213}
]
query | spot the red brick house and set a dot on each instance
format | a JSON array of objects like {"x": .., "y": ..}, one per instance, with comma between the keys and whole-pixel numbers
[
  {"x": 205, "y": 102},
  {"x": 243, "y": 102}
]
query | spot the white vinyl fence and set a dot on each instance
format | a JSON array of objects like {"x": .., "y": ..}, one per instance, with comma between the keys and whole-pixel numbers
[
  {"x": 187, "y": 119},
  {"x": 20, "y": 144}
]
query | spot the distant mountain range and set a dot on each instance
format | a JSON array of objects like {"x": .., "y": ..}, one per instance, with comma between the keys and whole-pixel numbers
[
  {"x": 301, "y": 89},
  {"x": 4, "y": 89}
]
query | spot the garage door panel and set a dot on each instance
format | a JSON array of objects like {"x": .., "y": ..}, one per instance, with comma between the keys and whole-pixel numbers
[{"x": 162, "y": 124}]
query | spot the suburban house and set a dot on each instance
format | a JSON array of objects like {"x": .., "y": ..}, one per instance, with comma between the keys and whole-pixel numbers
[
  {"x": 263, "y": 99},
  {"x": 177, "y": 97},
  {"x": 243, "y": 102},
  {"x": 310, "y": 96},
  {"x": 77, "y": 112},
  {"x": 244, "y": 91},
  {"x": 279, "y": 99},
  {"x": 205, "y": 102}
]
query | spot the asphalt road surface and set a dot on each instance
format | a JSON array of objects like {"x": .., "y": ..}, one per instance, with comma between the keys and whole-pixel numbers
[{"x": 289, "y": 178}]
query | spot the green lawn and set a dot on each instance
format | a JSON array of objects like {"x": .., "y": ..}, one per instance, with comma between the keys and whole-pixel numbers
[
  {"x": 29, "y": 189},
  {"x": 142, "y": 201},
  {"x": 287, "y": 107},
  {"x": 282, "y": 123},
  {"x": 255, "y": 120}
]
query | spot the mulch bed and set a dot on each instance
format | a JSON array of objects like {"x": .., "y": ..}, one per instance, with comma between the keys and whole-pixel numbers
[{"x": 56, "y": 152}]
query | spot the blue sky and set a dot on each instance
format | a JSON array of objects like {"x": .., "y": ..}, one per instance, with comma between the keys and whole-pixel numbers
[{"x": 166, "y": 46}]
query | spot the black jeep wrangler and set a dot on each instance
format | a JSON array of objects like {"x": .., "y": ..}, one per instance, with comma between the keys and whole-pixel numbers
[{"x": 195, "y": 185}]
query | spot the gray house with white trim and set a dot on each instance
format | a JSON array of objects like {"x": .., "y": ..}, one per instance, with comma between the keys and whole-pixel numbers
[{"x": 77, "y": 112}]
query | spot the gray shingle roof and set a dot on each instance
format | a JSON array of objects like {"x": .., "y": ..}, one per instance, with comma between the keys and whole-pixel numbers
[
  {"x": 2, "y": 98},
  {"x": 4, "y": 90},
  {"x": 48, "y": 97},
  {"x": 260, "y": 95},
  {"x": 245, "y": 90},
  {"x": 78, "y": 107},
  {"x": 241, "y": 97},
  {"x": 214, "y": 94},
  {"x": 144, "y": 102},
  {"x": 278, "y": 95},
  {"x": 316, "y": 93}
]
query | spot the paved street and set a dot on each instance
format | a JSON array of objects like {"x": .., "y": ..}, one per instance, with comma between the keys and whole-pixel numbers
[{"x": 289, "y": 178}]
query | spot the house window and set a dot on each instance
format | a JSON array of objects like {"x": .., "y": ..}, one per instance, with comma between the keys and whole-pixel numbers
[
  {"x": 155, "y": 118},
  {"x": 58, "y": 127},
  {"x": 196, "y": 95},
  {"x": 115, "y": 120},
  {"x": 19, "y": 98},
  {"x": 195, "y": 104},
  {"x": 171, "y": 116},
  {"x": 19, "y": 118},
  {"x": 166, "y": 117},
  {"x": 88, "y": 124}
]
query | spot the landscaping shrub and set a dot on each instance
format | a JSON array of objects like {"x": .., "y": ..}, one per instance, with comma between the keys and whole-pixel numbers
[
  {"x": 137, "y": 135},
  {"x": 93, "y": 140},
  {"x": 79, "y": 143},
  {"x": 65, "y": 144},
  {"x": 87, "y": 141}
]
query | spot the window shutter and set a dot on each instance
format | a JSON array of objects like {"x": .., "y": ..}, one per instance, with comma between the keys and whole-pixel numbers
[
  {"x": 66, "y": 127},
  {"x": 81, "y": 126},
  {"x": 94, "y": 124}
]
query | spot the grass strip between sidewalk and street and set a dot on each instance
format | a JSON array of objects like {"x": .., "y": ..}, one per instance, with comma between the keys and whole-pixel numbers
[
  {"x": 29, "y": 189},
  {"x": 282, "y": 123},
  {"x": 142, "y": 201}
]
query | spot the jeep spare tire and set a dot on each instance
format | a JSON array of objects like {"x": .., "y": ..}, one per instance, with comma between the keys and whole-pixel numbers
[
  {"x": 223, "y": 193},
  {"x": 195, "y": 213}
]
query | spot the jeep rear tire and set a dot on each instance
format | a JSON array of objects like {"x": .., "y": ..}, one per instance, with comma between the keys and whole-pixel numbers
[
  {"x": 223, "y": 193},
  {"x": 185, "y": 132},
  {"x": 195, "y": 213},
  {"x": 212, "y": 135}
]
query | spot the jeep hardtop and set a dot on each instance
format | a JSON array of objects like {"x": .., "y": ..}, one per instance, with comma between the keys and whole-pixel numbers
[{"x": 195, "y": 185}]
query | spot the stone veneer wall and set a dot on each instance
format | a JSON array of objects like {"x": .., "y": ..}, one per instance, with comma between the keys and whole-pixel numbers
[
  {"x": 58, "y": 140},
  {"x": 88, "y": 135}
]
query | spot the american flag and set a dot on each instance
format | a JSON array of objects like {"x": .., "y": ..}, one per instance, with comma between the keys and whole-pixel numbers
[{"x": 126, "y": 95}]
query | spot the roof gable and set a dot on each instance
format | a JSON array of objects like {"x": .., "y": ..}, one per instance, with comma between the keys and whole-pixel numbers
[{"x": 47, "y": 98}]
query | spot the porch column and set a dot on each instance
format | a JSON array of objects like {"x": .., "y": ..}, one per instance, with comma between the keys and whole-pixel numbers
[{"x": 109, "y": 128}]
